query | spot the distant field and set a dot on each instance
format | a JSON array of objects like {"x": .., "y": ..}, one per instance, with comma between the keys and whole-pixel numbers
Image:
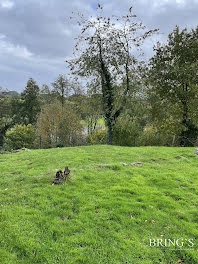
[
  {"x": 100, "y": 123},
  {"x": 107, "y": 213}
]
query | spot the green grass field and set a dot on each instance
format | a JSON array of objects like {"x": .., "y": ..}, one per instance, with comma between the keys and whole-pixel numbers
[{"x": 106, "y": 213}]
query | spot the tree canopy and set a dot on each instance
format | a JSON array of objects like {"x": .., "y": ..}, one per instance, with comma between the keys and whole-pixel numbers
[
  {"x": 31, "y": 104},
  {"x": 106, "y": 52},
  {"x": 174, "y": 77}
]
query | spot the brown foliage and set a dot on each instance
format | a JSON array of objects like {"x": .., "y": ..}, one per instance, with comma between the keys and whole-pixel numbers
[{"x": 57, "y": 126}]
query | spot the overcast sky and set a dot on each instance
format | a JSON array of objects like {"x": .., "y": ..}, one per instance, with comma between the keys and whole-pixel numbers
[{"x": 36, "y": 36}]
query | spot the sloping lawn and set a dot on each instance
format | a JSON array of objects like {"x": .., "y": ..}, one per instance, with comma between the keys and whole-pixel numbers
[{"x": 107, "y": 213}]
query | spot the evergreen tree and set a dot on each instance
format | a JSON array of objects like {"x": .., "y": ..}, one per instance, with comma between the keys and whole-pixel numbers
[{"x": 31, "y": 104}]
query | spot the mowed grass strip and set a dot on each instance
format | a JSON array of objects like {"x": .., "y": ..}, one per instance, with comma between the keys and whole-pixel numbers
[{"x": 106, "y": 213}]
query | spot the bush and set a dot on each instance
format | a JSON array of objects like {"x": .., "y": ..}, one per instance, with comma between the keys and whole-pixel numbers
[
  {"x": 98, "y": 137},
  {"x": 151, "y": 136},
  {"x": 129, "y": 132},
  {"x": 126, "y": 131},
  {"x": 58, "y": 127},
  {"x": 20, "y": 136}
]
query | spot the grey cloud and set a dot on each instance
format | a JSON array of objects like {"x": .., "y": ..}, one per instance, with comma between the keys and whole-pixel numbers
[{"x": 36, "y": 36}]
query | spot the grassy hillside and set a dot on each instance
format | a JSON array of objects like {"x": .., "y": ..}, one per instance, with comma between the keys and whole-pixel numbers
[{"x": 105, "y": 213}]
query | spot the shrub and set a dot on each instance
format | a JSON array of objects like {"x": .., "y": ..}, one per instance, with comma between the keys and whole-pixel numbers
[
  {"x": 98, "y": 137},
  {"x": 126, "y": 131},
  {"x": 129, "y": 132},
  {"x": 58, "y": 127},
  {"x": 151, "y": 136},
  {"x": 20, "y": 136}
]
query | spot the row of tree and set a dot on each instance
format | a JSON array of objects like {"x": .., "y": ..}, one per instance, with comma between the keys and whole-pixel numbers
[
  {"x": 50, "y": 116},
  {"x": 134, "y": 102}
]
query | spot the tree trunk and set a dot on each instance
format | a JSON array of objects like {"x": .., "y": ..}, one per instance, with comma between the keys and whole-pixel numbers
[
  {"x": 183, "y": 141},
  {"x": 184, "y": 133},
  {"x": 110, "y": 134},
  {"x": 108, "y": 96}
]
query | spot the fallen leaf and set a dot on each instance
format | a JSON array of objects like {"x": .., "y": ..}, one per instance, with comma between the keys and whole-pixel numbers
[{"x": 153, "y": 221}]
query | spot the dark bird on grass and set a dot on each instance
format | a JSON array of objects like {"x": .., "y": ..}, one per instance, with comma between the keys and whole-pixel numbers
[
  {"x": 66, "y": 172},
  {"x": 59, "y": 177}
]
